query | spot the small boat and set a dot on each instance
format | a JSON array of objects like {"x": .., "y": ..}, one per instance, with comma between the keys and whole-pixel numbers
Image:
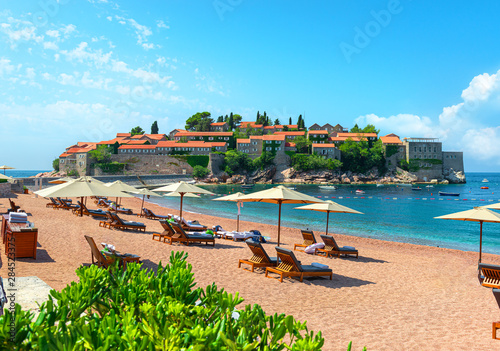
[
  {"x": 247, "y": 186},
  {"x": 292, "y": 187},
  {"x": 484, "y": 187},
  {"x": 359, "y": 191},
  {"x": 416, "y": 189},
  {"x": 379, "y": 185},
  {"x": 327, "y": 187},
  {"x": 443, "y": 193},
  {"x": 485, "y": 180},
  {"x": 429, "y": 186}
]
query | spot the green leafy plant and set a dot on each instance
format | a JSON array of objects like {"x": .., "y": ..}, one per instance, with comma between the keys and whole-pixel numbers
[
  {"x": 55, "y": 164},
  {"x": 236, "y": 162},
  {"x": 73, "y": 173},
  {"x": 200, "y": 172},
  {"x": 136, "y": 309}
]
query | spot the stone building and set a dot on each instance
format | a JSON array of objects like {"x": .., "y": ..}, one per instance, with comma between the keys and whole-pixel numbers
[{"x": 326, "y": 150}]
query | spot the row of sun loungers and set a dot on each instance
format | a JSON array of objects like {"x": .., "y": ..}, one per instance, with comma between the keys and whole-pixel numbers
[
  {"x": 285, "y": 265},
  {"x": 173, "y": 232},
  {"x": 114, "y": 221},
  {"x": 331, "y": 248}
]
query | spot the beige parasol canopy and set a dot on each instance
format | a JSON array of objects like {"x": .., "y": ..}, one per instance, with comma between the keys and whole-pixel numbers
[
  {"x": 120, "y": 186},
  {"x": 492, "y": 206},
  {"x": 279, "y": 195},
  {"x": 328, "y": 206},
  {"x": 80, "y": 188},
  {"x": 61, "y": 180},
  {"x": 90, "y": 179},
  {"x": 2, "y": 176},
  {"x": 144, "y": 192},
  {"x": 182, "y": 188},
  {"x": 477, "y": 214},
  {"x": 4, "y": 167},
  {"x": 233, "y": 197}
]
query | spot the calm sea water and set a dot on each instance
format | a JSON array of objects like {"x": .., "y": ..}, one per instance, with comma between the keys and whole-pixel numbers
[
  {"x": 392, "y": 212},
  {"x": 16, "y": 173}
]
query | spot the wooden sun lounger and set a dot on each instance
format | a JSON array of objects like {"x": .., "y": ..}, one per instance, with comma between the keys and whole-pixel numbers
[
  {"x": 109, "y": 222},
  {"x": 13, "y": 206},
  {"x": 87, "y": 212},
  {"x": 53, "y": 203},
  {"x": 489, "y": 275},
  {"x": 186, "y": 238},
  {"x": 332, "y": 249},
  {"x": 119, "y": 223},
  {"x": 120, "y": 210},
  {"x": 97, "y": 257},
  {"x": 66, "y": 206},
  {"x": 290, "y": 267},
  {"x": 167, "y": 232},
  {"x": 260, "y": 258},
  {"x": 309, "y": 239},
  {"x": 192, "y": 227},
  {"x": 150, "y": 214}
]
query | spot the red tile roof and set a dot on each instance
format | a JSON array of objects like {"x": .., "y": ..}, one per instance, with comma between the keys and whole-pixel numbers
[
  {"x": 218, "y": 124},
  {"x": 273, "y": 137},
  {"x": 136, "y": 142},
  {"x": 391, "y": 139},
  {"x": 243, "y": 141},
  {"x": 318, "y": 132},
  {"x": 287, "y": 144},
  {"x": 123, "y": 135},
  {"x": 290, "y": 126},
  {"x": 137, "y": 147},
  {"x": 289, "y": 133},
  {"x": 351, "y": 135},
  {"x": 181, "y": 134},
  {"x": 64, "y": 154},
  {"x": 138, "y": 136},
  {"x": 112, "y": 141}
]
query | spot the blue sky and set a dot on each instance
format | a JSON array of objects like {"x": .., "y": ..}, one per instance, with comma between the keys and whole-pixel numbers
[{"x": 85, "y": 70}]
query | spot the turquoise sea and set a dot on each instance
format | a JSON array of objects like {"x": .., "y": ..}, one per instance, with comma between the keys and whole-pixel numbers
[
  {"x": 17, "y": 173},
  {"x": 391, "y": 212}
]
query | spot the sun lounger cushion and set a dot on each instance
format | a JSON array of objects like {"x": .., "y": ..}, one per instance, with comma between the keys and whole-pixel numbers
[
  {"x": 311, "y": 268},
  {"x": 311, "y": 249},
  {"x": 319, "y": 265},
  {"x": 138, "y": 224},
  {"x": 348, "y": 248},
  {"x": 239, "y": 235}
]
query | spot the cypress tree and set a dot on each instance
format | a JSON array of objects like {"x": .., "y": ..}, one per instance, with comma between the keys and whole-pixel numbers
[{"x": 154, "y": 128}]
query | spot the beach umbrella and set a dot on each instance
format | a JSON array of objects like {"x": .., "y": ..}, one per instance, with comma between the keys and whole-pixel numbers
[
  {"x": 120, "y": 186},
  {"x": 492, "y": 206},
  {"x": 144, "y": 192},
  {"x": 279, "y": 195},
  {"x": 80, "y": 188},
  {"x": 477, "y": 214},
  {"x": 2, "y": 176},
  {"x": 233, "y": 197},
  {"x": 61, "y": 180},
  {"x": 4, "y": 167},
  {"x": 328, "y": 207},
  {"x": 182, "y": 188},
  {"x": 89, "y": 179}
]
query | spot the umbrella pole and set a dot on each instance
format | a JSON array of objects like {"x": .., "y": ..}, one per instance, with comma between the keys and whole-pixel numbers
[
  {"x": 480, "y": 240},
  {"x": 238, "y": 223},
  {"x": 279, "y": 222},
  {"x": 327, "y": 217},
  {"x": 81, "y": 207},
  {"x": 142, "y": 206},
  {"x": 116, "y": 205},
  {"x": 182, "y": 195}
]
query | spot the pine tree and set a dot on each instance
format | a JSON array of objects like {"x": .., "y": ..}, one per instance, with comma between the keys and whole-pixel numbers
[
  {"x": 290, "y": 121},
  {"x": 258, "y": 117},
  {"x": 154, "y": 128}
]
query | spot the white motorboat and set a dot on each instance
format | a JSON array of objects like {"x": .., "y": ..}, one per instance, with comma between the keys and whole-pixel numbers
[
  {"x": 327, "y": 187},
  {"x": 485, "y": 180}
]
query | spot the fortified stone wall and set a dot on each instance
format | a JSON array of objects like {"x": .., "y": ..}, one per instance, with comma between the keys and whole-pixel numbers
[
  {"x": 5, "y": 190},
  {"x": 435, "y": 172},
  {"x": 149, "y": 164},
  {"x": 453, "y": 160},
  {"x": 215, "y": 163}
]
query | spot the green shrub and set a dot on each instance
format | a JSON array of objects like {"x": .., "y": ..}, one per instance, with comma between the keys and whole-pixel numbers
[
  {"x": 302, "y": 162},
  {"x": 197, "y": 160},
  {"x": 134, "y": 309},
  {"x": 3, "y": 180},
  {"x": 55, "y": 165},
  {"x": 111, "y": 167},
  {"x": 264, "y": 160},
  {"x": 200, "y": 172},
  {"x": 237, "y": 162},
  {"x": 73, "y": 173}
]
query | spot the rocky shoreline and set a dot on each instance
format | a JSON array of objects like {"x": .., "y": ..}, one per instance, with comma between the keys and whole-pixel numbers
[{"x": 271, "y": 175}]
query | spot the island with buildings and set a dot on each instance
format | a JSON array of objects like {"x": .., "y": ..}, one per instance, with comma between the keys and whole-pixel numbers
[{"x": 244, "y": 152}]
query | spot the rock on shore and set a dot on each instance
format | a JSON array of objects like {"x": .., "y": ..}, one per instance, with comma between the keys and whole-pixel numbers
[{"x": 50, "y": 175}]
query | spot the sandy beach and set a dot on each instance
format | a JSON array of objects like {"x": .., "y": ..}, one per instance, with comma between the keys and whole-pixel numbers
[{"x": 395, "y": 296}]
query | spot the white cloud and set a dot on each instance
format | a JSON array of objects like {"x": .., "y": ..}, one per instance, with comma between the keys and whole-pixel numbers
[
  {"x": 53, "y": 33},
  {"x": 470, "y": 125},
  {"x": 109, "y": 18},
  {"x": 66, "y": 79},
  {"x": 147, "y": 46},
  {"x": 161, "y": 24},
  {"x": 68, "y": 29},
  {"x": 84, "y": 54},
  {"x": 6, "y": 67},
  {"x": 49, "y": 45},
  {"x": 30, "y": 73},
  {"x": 145, "y": 76},
  {"x": 142, "y": 32}
]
